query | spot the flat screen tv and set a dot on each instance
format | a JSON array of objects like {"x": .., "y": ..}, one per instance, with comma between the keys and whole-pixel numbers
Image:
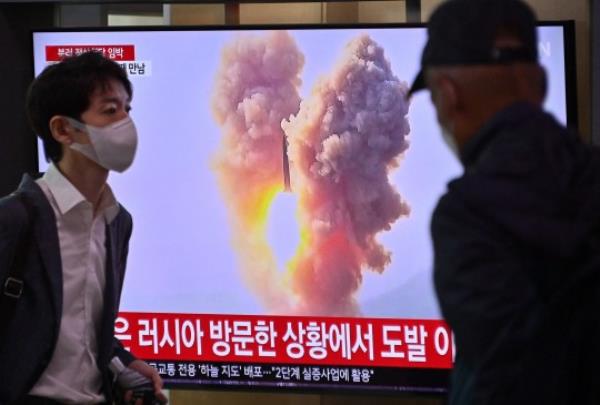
[{"x": 281, "y": 197}]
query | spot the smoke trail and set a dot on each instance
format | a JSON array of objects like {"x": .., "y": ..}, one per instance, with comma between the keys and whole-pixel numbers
[
  {"x": 256, "y": 87},
  {"x": 344, "y": 142}
]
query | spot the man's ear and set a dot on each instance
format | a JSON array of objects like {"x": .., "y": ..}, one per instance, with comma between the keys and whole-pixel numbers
[
  {"x": 449, "y": 94},
  {"x": 62, "y": 131}
]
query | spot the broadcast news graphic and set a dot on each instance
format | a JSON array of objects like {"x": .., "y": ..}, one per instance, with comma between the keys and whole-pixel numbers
[{"x": 281, "y": 198}]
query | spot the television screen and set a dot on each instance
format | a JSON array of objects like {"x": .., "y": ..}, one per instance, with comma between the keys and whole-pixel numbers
[{"x": 281, "y": 196}]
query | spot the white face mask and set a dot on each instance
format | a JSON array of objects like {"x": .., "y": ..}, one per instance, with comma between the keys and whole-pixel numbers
[
  {"x": 112, "y": 147},
  {"x": 450, "y": 141}
]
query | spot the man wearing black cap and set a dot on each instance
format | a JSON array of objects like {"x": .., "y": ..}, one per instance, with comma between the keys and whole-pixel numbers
[{"x": 517, "y": 236}]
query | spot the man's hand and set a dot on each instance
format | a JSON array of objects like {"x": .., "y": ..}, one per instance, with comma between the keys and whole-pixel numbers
[{"x": 149, "y": 372}]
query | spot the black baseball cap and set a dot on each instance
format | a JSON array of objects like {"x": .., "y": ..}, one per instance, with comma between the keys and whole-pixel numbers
[{"x": 464, "y": 32}]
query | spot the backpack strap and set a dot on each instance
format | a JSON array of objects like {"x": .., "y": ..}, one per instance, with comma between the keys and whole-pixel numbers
[{"x": 12, "y": 287}]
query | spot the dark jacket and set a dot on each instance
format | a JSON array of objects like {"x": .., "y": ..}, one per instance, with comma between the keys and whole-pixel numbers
[
  {"x": 517, "y": 262},
  {"x": 27, "y": 341}
]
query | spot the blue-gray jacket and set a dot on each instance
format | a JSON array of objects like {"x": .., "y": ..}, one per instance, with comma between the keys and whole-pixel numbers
[{"x": 27, "y": 341}]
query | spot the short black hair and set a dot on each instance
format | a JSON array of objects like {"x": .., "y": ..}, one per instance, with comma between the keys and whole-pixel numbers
[{"x": 65, "y": 88}]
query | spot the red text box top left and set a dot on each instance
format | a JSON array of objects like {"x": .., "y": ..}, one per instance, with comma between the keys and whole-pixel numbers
[{"x": 56, "y": 53}]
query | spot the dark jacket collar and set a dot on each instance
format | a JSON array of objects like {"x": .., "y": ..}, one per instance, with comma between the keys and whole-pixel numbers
[{"x": 511, "y": 115}]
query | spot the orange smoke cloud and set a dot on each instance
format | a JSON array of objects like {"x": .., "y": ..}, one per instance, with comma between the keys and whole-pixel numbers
[
  {"x": 344, "y": 142},
  {"x": 256, "y": 87}
]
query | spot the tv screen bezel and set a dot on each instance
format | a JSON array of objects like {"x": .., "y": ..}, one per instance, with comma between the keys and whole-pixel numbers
[{"x": 423, "y": 374}]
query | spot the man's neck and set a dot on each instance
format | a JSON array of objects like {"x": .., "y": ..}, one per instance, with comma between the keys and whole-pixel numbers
[
  {"x": 472, "y": 124},
  {"x": 87, "y": 177}
]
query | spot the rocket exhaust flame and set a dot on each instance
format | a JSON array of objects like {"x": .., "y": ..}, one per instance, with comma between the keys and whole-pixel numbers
[{"x": 343, "y": 142}]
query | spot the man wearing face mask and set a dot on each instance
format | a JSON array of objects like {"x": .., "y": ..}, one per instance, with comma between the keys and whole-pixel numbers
[
  {"x": 64, "y": 241},
  {"x": 517, "y": 236}
]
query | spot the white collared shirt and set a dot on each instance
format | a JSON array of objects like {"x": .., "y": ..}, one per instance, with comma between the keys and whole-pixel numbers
[{"x": 72, "y": 375}]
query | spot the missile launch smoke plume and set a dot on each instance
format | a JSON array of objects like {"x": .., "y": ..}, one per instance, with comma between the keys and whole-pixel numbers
[
  {"x": 256, "y": 87},
  {"x": 343, "y": 143},
  {"x": 344, "y": 140}
]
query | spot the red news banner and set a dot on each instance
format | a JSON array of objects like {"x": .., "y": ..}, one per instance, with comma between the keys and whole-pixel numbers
[
  {"x": 56, "y": 53},
  {"x": 380, "y": 342}
]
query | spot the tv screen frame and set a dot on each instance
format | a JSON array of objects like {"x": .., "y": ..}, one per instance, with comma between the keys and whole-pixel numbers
[{"x": 395, "y": 380}]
